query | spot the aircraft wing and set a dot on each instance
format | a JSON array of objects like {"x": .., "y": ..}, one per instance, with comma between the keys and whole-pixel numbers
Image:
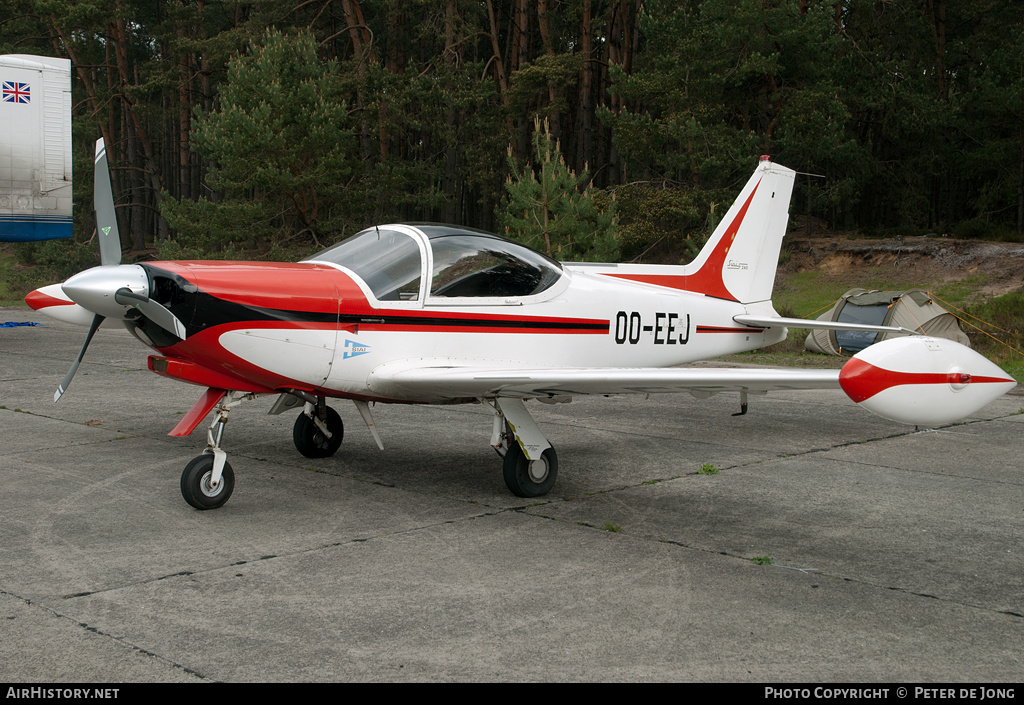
[
  {"x": 915, "y": 380},
  {"x": 469, "y": 381}
]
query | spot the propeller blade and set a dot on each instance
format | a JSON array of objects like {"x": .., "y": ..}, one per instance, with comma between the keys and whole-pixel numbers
[
  {"x": 103, "y": 205},
  {"x": 96, "y": 321},
  {"x": 152, "y": 310}
]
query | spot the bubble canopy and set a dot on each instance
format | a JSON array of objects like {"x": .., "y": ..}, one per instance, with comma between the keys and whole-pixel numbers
[{"x": 393, "y": 259}]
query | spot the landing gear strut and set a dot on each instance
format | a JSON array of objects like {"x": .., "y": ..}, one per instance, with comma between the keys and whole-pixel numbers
[
  {"x": 530, "y": 464},
  {"x": 207, "y": 481}
]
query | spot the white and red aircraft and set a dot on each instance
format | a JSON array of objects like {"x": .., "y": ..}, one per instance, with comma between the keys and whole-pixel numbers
[{"x": 433, "y": 314}]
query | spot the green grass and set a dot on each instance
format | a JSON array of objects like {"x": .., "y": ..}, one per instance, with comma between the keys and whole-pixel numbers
[
  {"x": 611, "y": 526},
  {"x": 961, "y": 292},
  {"x": 807, "y": 294},
  {"x": 708, "y": 469},
  {"x": 8, "y": 296},
  {"x": 810, "y": 293},
  {"x": 761, "y": 560}
]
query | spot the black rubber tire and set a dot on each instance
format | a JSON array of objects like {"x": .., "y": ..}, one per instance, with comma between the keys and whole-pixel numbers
[
  {"x": 516, "y": 470},
  {"x": 311, "y": 441},
  {"x": 194, "y": 481}
]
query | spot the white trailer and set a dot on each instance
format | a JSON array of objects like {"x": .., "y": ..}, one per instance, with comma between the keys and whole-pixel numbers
[{"x": 35, "y": 148}]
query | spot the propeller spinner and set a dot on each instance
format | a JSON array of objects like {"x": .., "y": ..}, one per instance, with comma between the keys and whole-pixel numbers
[{"x": 112, "y": 290}]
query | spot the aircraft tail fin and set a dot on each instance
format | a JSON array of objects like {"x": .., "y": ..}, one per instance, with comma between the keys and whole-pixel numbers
[{"x": 739, "y": 261}]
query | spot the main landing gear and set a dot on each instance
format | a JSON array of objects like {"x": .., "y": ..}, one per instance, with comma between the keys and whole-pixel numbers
[
  {"x": 318, "y": 430},
  {"x": 530, "y": 464}
]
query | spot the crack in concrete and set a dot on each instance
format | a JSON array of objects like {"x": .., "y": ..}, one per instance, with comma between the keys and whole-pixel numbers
[{"x": 120, "y": 641}]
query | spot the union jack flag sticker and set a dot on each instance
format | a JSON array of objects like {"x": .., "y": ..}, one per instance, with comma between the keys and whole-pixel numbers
[{"x": 15, "y": 92}]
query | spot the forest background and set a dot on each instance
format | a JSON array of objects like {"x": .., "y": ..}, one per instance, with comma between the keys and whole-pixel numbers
[{"x": 616, "y": 129}]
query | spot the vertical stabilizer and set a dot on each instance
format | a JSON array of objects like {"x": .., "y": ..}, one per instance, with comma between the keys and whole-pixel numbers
[{"x": 739, "y": 260}]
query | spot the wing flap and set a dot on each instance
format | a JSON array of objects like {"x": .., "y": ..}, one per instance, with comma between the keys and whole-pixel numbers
[{"x": 468, "y": 381}]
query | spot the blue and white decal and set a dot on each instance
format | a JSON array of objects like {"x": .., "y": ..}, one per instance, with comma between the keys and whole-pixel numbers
[{"x": 354, "y": 348}]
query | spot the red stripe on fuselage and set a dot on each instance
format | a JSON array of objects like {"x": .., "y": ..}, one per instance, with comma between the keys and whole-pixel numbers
[
  {"x": 721, "y": 329},
  {"x": 487, "y": 324},
  {"x": 861, "y": 380}
]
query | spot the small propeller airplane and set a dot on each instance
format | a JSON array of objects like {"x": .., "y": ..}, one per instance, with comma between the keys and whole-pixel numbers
[{"x": 435, "y": 314}]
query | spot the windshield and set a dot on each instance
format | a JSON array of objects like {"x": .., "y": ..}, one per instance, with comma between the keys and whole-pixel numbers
[
  {"x": 387, "y": 260},
  {"x": 466, "y": 263}
]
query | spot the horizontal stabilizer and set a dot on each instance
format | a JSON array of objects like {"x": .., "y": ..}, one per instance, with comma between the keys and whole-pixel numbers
[{"x": 780, "y": 321}]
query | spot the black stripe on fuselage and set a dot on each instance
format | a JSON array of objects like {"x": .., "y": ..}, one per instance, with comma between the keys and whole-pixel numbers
[
  {"x": 441, "y": 322},
  {"x": 211, "y": 311}
]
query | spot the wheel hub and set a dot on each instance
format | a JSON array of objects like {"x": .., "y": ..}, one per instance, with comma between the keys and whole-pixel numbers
[
  {"x": 538, "y": 470},
  {"x": 209, "y": 489}
]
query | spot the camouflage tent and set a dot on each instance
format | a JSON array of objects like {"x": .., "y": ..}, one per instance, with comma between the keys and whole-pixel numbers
[{"x": 913, "y": 309}]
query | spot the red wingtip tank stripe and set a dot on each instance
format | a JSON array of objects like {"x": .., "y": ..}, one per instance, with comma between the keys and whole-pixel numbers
[{"x": 861, "y": 380}]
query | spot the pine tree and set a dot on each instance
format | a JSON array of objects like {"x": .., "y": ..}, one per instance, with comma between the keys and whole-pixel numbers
[
  {"x": 282, "y": 147},
  {"x": 551, "y": 208}
]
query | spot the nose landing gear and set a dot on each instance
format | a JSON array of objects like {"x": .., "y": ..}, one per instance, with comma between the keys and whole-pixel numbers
[
  {"x": 198, "y": 487},
  {"x": 208, "y": 480}
]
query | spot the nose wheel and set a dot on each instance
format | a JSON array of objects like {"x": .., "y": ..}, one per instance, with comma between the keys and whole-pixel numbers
[
  {"x": 208, "y": 480},
  {"x": 198, "y": 487}
]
